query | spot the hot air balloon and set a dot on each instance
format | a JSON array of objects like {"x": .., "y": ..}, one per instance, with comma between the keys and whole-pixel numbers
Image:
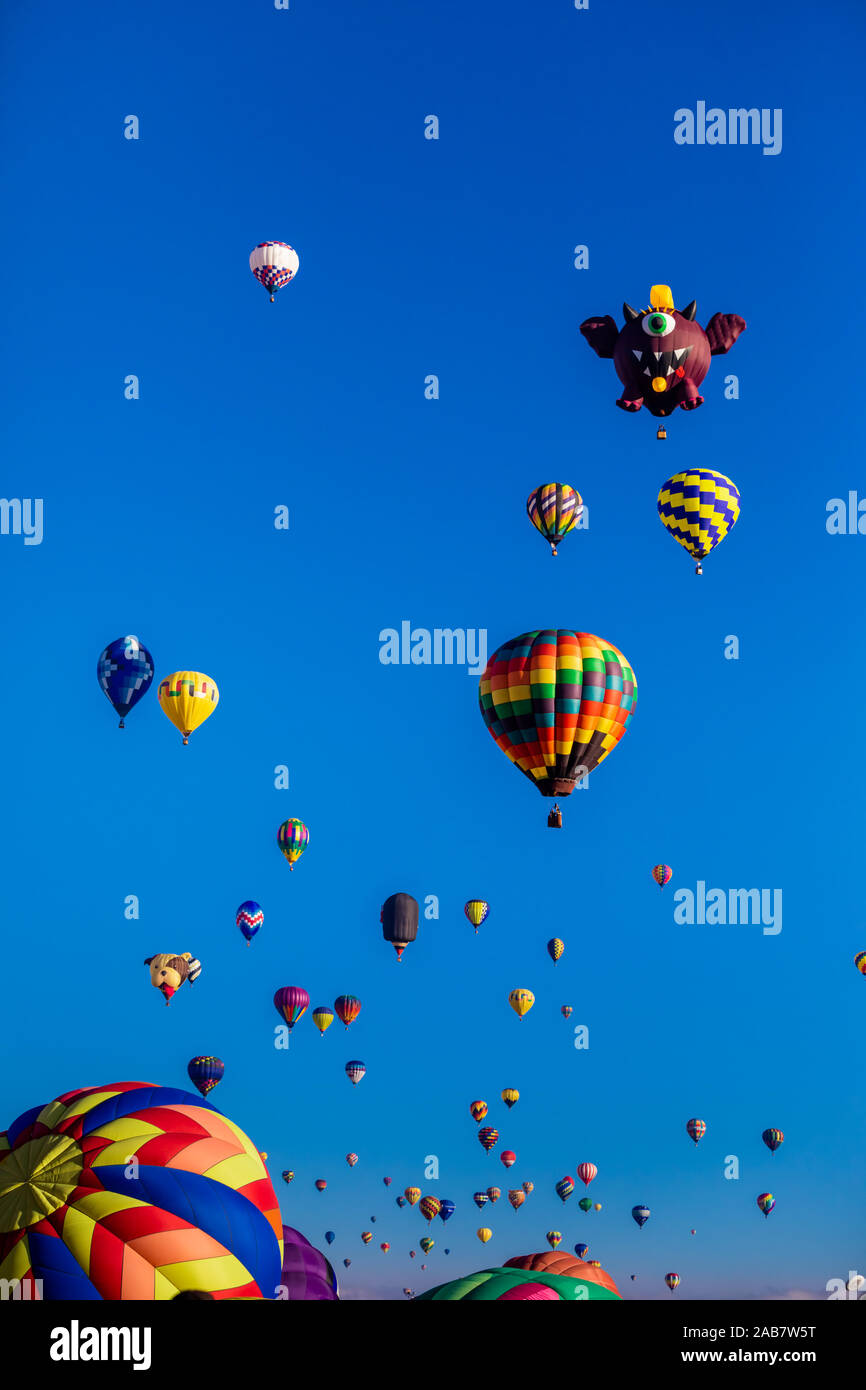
[
  {"x": 594, "y": 1264},
  {"x": 860, "y": 962},
  {"x": 323, "y": 1018},
  {"x": 766, "y": 1201},
  {"x": 672, "y": 1280},
  {"x": 249, "y": 919},
  {"x": 693, "y": 1232},
  {"x": 188, "y": 698},
  {"x": 554, "y": 1238},
  {"x": 347, "y": 1263},
  {"x": 366, "y": 1237},
  {"x": 564, "y": 1188},
  {"x": 168, "y": 972},
  {"x": 429, "y": 1207},
  {"x": 555, "y": 948},
  {"x": 641, "y": 1215},
  {"x": 291, "y": 1003},
  {"x": 408, "y": 1293},
  {"x": 487, "y": 1137},
  {"x": 478, "y": 1109},
  {"x": 554, "y": 509},
  {"x": 292, "y": 839},
  {"x": 699, "y": 507},
  {"x": 385, "y": 1247},
  {"x": 195, "y": 1211},
  {"x": 347, "y": 1008},
  {"x": 446, "y": 1210},
  {"x": 494, "y": 1193},
  {"x": 356, "y": 1071},
  {"x": 580, "y": 1250},
  {"x": 557, "y": 702},
  {"x": 662, "y": 873},
  {"x": 320, "y": 1184},
  {"x": 351, "y": 1159},
  {"x": 510, "y": 1097},
  {"x": 566, "y": 1011},
  {"x": 598, "y": 1206},
  {"x": 585, "y": 1204},
  {"x": 412, "y": 1254},
  {"x": 508, "y": 1157},
  {"x": 479, "y": 1198},
  {"x": 330, "y": 1237},
  {"x": 548, "y": 1276},
  {"x": 124, "y": 671},
  {"x": 696, "y": 1129},
  {"x": 205, "y": 1073},
  {"x": 528, "y": 1187},
  {"x": 387, "y": 1181},
  {"x": 401, "y": 1201},
  {"x": 484, "y": 1234},
  {"x": 274, "y": 264},
  {"x": 426, "y": 1244},
  {"x": 412, "y": 1195},
  {"x": 773, "y": 1138},
  {"x": 399, "y": 918},
  {"x": 516, "y": 1197},
  {"x": 288, "y": 1176},
  {"x": 521, "y": 1001},
  {"x": 586, "y": 1172},
  {"x": 477, "y": 910}
]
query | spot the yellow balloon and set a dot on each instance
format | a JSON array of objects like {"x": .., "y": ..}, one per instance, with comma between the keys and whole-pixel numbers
[
  {"x": 510, "y": 1096},
  {"x": 484, "y": 1233},
  {"x": 521, "y": 1001},
  {"x": 323, "y": 1018},
  {"x": 188, "y": 698},
  {"x": 598, "y": 1206}
]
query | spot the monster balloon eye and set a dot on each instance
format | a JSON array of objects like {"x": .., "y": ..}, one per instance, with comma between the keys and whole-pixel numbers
[{"x": 658, "y": 325}]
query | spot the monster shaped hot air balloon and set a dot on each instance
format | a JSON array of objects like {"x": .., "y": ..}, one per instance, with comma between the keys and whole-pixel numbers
[
  {"x": 554, "y": 509},
  {"x": 291, "y": 1003},
  {"x": 662, "y": 873},
  {"x": 696, "y": 1129},
  {"x": 488, "y": 1138},
  {"x": 766, "y": 1201},
  {"x": 274, "y": 264},
  {"x": 188, "y": 698},
  {"x": 641, "y": 1215},
  {"x": 510, "y": 1096},
  {"x": 564, "y": 1188},
  {"x": 124, "y": 671},
  {"x": 773, "y": 1138},
  {"x": 399, "y": 918},
  {"x": 322, "y": 1018},
  {"x": 205, "y": 1073},
  {"x": 556, "y": 702},
  {"x": 478, "y": 1109},
  {"x": 521, "y": 1001},
  {"x": 135, "y": 1191},
  {"x": 168, "y": 972},
  {"x": 662, "y": 354},
  {"x": 698, "y": 507},
  {"x": 249, "y": 919},
  {"x": 477, "y": 910},
  {"x": 672, "y": 1280},
  {"x": 555, "y": 949},
  {"x": 292, "y": 839},
  {"x": 587, "y": 1172},
  {"x": 347, "y": 1008},
  {"x": 356, "y": 1071}
]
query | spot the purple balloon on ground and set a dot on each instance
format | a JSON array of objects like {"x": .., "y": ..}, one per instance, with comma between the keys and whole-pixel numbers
[{"x": 306, "y": 1274}]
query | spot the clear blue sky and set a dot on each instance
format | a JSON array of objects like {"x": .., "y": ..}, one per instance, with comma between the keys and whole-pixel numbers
[{"x": 451, "y": 257}]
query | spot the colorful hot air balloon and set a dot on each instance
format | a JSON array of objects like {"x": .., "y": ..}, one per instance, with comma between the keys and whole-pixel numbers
[
  {"x": 347, "y": 1008},
  {"x": 387, "y": 1181},
  {"x": 80, "y": 1220},
  {"x": 188, "y": 698},
  {"x": 566, "y": 1011},
  {"x": 548, "y": 1276},
  {"x": 580, "y": 1250},
  {"x": 274, "y": 264},
  {"x": 586, "y": 1172},
  {"x": 479, "y": 1198},
  {"x": 356, "y": 1071},
  {"x": 585, "y": 1204},
  {"x": 412, "y": 1195},
  {"x": 557, "y": 702},
  {"x": 168, "y": 972},
  {"x": 641, "y": 1215},
  {"x": 516, "y": 1197},
  {"x": 292, "y": 839},
  {"x": 554, "y": 509},
  {"x": 696, "y": 1129},
  {"x": 323, "y": 1018},
  {"x": 508, "y": 1157},
  {"x": 446, "y": 1210},
  {"x": 320, "y": 1184},
  {"x": 554, "y": 1238},
  {"x": 347, "y": 1263},
  {"x": 477, "y": 910},
  {"x": 478, "y": 1109},
  {"x": 205, "y": 1073},
  {"x": 510, "y": 1096},
  {"x": 484, "y": 1234},
  {"x": 429, "y": 1207},
  {"x": 385, "y": 1247},
  {"x": 672, "y": 1280},
  {"x": 860, "y": 962},
  {"x": 401, "y": 1201},
  {"x": 662, "y": 873},
  {"x": 598, "y": 1206},
  {"x": 766, "y": 1201},
  {"x": 487, "y": 1137},
  {"x": 564, "y": 1188},
  {"x": 399, "y": 918},
  {"x": 426, "y": 1243},
  {"x": 699, "y": 507},
  {"x": 366, "y": 1237},
  {"x": 773, "y": 1138},
  {"x": 494, "y": 1193},
  {"x": 291, "y": 1003},
  {"x": 330, "y": 1237},
  {"x": 249, "y": 919},
  {"x": 306, "y": 1273},
  {"x": 528, "y": 1187},
  {"x": 555, "y": 948},
  {"x": 351, "y": 1159},
  {"x": 124, "y": 671},
  {"x": 521, "y": 1001}
]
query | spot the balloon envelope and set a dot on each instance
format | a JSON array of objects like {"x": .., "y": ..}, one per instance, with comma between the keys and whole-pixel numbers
[
  {"x": 125, "y": 671},
  {"x": 306, "y": 1274}
]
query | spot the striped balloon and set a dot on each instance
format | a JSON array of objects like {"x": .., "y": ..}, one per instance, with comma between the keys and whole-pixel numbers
[
  {"x": 477, "y": 910},
  {"x": 291, "y": 1003},
  {"x": 494, "y": 1193},
  {"x": 479, "y": 1198},
  {"x": 766, "y": 1201},
  {"x": 347, "y": 1008},
  {"x": 351, "y": 1159},
  {"x": 487, "y": 1137},
  {"x": 860, "y": 962},
  {"x": 429, "y": 1207},
  {"x": 322, "y": 1018},
  {"x": 564, "y": 1188},
  {"x": 662, "y": 873},
  {"x": 554, "y": 509},
  {"x": 672, "y": 1280},
  {"x": 586, "y": 1172},
  {"x": 478, "y": 1109},
  {"x": 699, "y": 507},
  {"x": 554, "y": 1238},
  {"x": 356, "y": 1071},
  {"x": 274, "y": 264},
  {"x": 773, "y": 1138}
]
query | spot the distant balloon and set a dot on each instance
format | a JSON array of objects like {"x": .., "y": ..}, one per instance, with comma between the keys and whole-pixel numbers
[
  {"x": 566, "y": 1011},
  {"x": 320, "y": 1184},
  {"x": 586, "y": 1172},
  {"x": 696, "y": 1129},
  {"x": 477, "y": 910},
  {"x": 585, "y": 1204},
  {"x": 429, "y": 1207},
  {"x": 347, "y": 1263},
  {"x": 766, "y": 1201},
  {"x": 516, "y": 1197},
  {"x": 188, "y": 698},
  {"x": 125, "y": 671},
  {"x": 528, "y": 1187},
  {"x": 672, "y": 1280},
  {"x": 426, "y": 1244},
  {"x": 387, "y": 1181},
  {"x": 773, "y": 1138},
  {"x": 351, "y": 1159},
  {"x": 399, "y": 918},
  {"x": 292, "y": 839},
  {"x": 662, "y": 873},
  {"x": 412, "y": 1195},
  {"x": 205, "y": 1073},
  {"x": 288, "y": 1176},
  {"x": 274, "y": 264},
  {"x": 385, "y": 1247},
  {"x": 555, "y": 949},
  {"x": 692, "y": 1232},
  {"x": 510, "y": 1097},
  {"x": 554, "y": 509},
  {"x": 521, "y": 1001},
  {"x": 478, "y": 1109},
  {"x": 291, "y": 1003},
  {"x": 330, "y": 1237},
  {"x": 641, "y": 1215},
  {"x": 366, "y": 1237},
  {"x": 479, "y": 1198},
  {"x": 564, "y": 1188},
  {"x": 401, "y": 1201},
  {"x": 249, "y": 919},
  {"x": 488, "y": 1137},
  {"x": 494, "y": 1193},
  {"x": 323, "y": 1018},
  {"x": 356, "y": 1071},
  {"x": 446, "y": 1209},
  {"x": 598, "y": 1206},
  {"x": 554, "y": 1238},
  {"x": 580, "y": 1250},
  {"x": 347, "y": 1008},
  {"x": 860, "y": 962},
  {"x": 508, "y": 1157},
  {"x": 484, "y": 1234}
]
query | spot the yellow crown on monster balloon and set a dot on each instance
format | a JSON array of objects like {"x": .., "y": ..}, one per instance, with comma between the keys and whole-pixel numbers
[{"x": 661, "y": 299}]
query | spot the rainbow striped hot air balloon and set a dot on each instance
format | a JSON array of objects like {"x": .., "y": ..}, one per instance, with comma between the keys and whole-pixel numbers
[
  {"x": 487, "y": 1137},
  {"x": 249, "y": 919},
  {"x": 196, "y": 1210},
  {"x": 554, "y": 509},
  {"x": 292, "y": 839},
  {"x": 412, "y": 1195},
  {"x": 291, "y": 1003},
  {"x": 662, "y": 873},
  {"x": 672, "y": 1280},
  {"x": 773, "y": 1138},
  {"x": 188, "y": 698},
  {"x": 347, "y": 1008},
  {"x": 351, "y": 1159},
  {"x": 696, "y": 1129},
  {"x": 554, "y": 1238},
  {"x": 205, "y": 1073},
  {"x": 860, "y": 962},
  {"x": 477, "y": 910},
  {"x": 766, "y": 1201},
  {"x": 494, "y": 1193}
]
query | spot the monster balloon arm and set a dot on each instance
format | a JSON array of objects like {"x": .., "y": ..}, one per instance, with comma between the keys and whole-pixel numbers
[
  {"x": 722, "y": 331},
  {"x": 601, "y": 334}
]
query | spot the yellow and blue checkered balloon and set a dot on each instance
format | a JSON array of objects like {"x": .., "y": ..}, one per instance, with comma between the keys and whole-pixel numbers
[{"x": 699, "y": 508}]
